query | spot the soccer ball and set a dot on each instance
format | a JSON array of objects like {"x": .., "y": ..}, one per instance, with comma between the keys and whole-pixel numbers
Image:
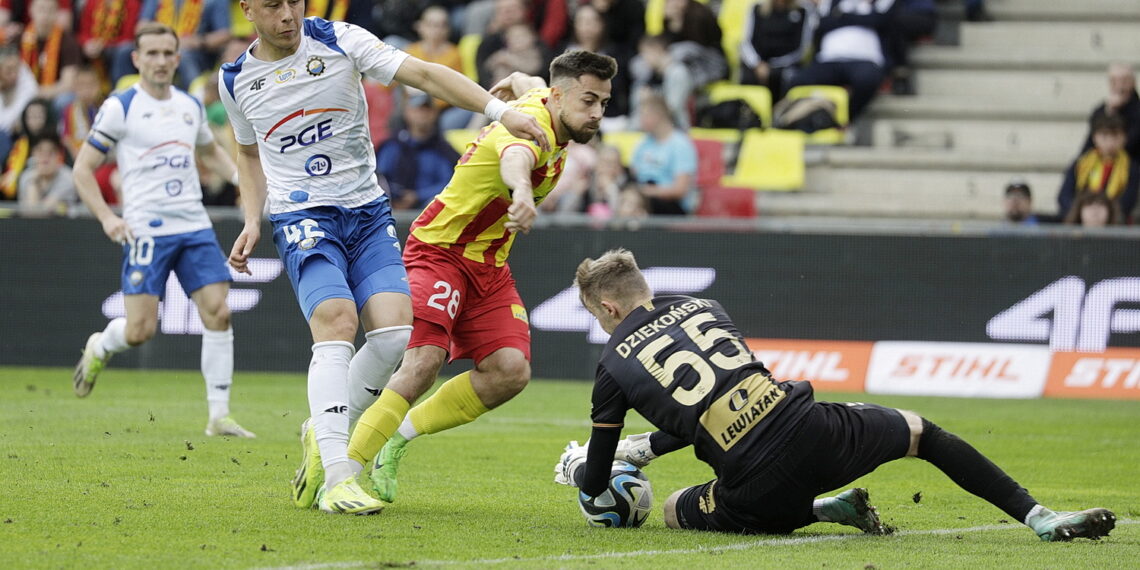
[{"x": 626, "y": 502}]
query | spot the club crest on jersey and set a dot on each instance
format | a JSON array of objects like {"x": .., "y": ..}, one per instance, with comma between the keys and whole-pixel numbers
[
  {"x": 315, "y": 66},
  {"x": 136, "y": 277},
  {"x": 186, "y": 118},
  {"x": 284, "y": 75}
]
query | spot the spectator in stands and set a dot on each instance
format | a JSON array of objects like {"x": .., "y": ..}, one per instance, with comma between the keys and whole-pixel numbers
[
  {"x": 625, "y": 21},
  {"x": 37, "y": 121},
  {"x": 17, "y": 88},
  {"x": 46, "y": 187},
  {"x": 1122, "y": 101},
  {"x": 1105, "y": 169},
  {"x": 611, "y": 178},
  {"x": 632, "y": 205},
  {"x": 665, "y": 162},
  {"x": 417, "y": 162},
  {"x": 777, "y": 34},
  {"x": 433, "y": 29},
  {"x": 79, "y": 114},
  {"x": 15, "y": 14},
  {"x": 913, "y": 20},
  {"x": 572, "y": 192},
  {"x": 203, "y": 28},
  {"x": 507, "y": 13},
  {"x": 51, "y": 51},
  {"x": 1018, "y": 203},
  {"x": 1094, "y": 210},
  {"x": 395, "y": 20},
  {"x": 686, "y": 57},
  {"x": 107, "y": 36},
  {"x": 850, "y": 51},
  {"x": 521, "y": 51},
  {"x": 589, "y": 33}
]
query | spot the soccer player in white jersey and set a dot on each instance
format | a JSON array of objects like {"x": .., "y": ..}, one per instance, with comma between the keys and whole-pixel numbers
[
  {"x": 157, "y": 130},
  {"x": 297, "y": 107}
]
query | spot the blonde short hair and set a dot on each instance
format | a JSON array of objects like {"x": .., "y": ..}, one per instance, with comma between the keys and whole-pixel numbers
[{"x": 615, "y": 276}]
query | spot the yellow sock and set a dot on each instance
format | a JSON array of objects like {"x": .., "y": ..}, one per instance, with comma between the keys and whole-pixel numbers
[
  {"x": 376, "y": 425},
  {"x": 454, "y": 404}
]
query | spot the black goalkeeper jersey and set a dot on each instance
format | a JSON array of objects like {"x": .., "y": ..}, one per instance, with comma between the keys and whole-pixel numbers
[{"x": 683, "y": 365}]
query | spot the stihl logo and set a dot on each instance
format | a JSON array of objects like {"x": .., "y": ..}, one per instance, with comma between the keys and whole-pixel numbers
[
  {"x": 1104, "y": 373},
  {"x": 822, "y": 366},
  {"x": 1070, "y": 318},
  {"x": 178, "y": 314},
  {"x": 565, "y": 313}
]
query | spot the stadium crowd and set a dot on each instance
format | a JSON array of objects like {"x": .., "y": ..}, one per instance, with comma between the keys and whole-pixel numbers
[{"x": 60, "y": 58}]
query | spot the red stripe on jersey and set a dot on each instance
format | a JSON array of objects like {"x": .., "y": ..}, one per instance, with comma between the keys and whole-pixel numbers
[
  {"x": 493, "y": 249},
  {"x": 486, "y": 218},
  {"x": 430, "y": 212}
]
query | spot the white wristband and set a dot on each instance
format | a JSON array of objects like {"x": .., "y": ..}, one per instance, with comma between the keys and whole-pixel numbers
[
  {"x": 234, "y": 179},
  {"x": 495, "y": 109}
]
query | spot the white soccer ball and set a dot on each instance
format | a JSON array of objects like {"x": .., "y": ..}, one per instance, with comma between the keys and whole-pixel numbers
[{"x": 626, "y": 502}]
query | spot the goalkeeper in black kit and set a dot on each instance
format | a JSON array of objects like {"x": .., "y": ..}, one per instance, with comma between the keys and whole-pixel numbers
[{"x": 683, "y": 365}]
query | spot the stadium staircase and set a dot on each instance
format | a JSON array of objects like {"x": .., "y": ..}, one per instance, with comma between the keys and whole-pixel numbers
[{"x": 1010, "y": 99}]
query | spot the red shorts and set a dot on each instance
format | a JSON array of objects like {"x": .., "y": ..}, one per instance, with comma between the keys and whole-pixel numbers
[{"x": 468, "y": 308}]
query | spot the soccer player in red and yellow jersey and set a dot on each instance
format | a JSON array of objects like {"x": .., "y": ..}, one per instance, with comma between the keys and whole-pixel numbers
[{"x": 464, "y": 300}]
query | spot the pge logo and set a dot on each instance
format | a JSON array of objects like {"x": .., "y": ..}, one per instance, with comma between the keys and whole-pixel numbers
[
  {"x": 318, "y": 165},
  {"x": 177, "y": 162},
  {"x": 309, "y": 135}
]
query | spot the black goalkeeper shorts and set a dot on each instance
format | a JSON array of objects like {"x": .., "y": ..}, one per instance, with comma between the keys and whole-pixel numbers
[{"x": 835, "y": 444}]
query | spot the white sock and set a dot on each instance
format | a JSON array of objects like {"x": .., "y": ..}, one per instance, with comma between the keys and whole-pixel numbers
[
  {"x": 114, "y": 339},
  {"x": 407, "y": 430},
  {"x": 1036, "y": 512},
  {"x": 373, "y": 365},
  {"x": 218, "y": 370},
  {"x": 328, "y": 406},
  {"x": 817, "y": 510}
]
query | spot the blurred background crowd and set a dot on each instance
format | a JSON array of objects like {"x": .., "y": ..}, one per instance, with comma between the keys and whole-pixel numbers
[{"x": 714, "y": 100}]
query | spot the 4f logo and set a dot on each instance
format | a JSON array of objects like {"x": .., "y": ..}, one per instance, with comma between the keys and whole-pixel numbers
[
  {"x": 1070, "y": 316},
  {"x": 257, "y": 84},
  {"x": 564, "y": 312}
]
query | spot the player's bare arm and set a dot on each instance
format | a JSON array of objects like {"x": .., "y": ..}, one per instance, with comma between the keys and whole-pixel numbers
[
  {"x": 214, "y": 157},
  {"x": 457, "y": 89},
  {"x": 86, "y": 162},
  {"x": 514, "y": 85},
  {"x": 251, "y": 195},
  {"x": 515, "y": 167}
]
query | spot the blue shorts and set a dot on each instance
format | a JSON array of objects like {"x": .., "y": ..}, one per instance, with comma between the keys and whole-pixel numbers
[
  {"x": 332, "y": 252},
  {"x": 195, "y": 257}
]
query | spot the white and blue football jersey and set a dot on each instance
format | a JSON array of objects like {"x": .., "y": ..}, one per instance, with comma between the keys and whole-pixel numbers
[
  {"x": 308, "y": 117},
  {"x": 154, "y": 142}
]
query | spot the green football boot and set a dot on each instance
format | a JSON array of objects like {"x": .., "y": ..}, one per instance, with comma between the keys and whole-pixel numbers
[{"x": 385, "y": 465}]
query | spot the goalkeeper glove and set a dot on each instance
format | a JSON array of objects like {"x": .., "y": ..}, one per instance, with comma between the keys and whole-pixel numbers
[
  {"x": 574, "y": 456},
  {"x": 635, "y": 449}
]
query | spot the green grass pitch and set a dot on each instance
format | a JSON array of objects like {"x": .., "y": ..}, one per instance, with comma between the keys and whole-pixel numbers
[{"x": 126, "y": 479}]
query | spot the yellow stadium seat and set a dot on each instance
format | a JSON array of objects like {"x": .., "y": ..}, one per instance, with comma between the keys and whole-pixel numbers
[
  {"x": 458, "y": 138},
  {"x": 724, "y": 136},
  {"x": 834, "y": 93},
  {"x": 625, "y": 141},
  {"x": 468, "y": 47},
  {"x": 771, "y": 159},
  {"x": 732, "y": 17},
  {"x": 758, "y": 97}
]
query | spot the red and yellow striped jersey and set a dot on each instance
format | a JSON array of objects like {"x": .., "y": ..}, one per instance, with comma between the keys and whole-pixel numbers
[{"x": 471, "y": 211}]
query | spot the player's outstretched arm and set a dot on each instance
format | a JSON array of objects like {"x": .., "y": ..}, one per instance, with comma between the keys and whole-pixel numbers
[
  {"x": 457, "y": 89},
  {"x": 251, "y": 195},
  {"x": 83, "y": 173},
  {"x": 514, "y": 85}
]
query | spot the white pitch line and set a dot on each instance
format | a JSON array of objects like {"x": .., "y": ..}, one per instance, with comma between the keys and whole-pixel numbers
[{"x": 796, "y": 541}]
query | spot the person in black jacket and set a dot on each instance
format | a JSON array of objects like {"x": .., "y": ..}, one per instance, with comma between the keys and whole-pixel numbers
[{"x": 1121, "y": 101}]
